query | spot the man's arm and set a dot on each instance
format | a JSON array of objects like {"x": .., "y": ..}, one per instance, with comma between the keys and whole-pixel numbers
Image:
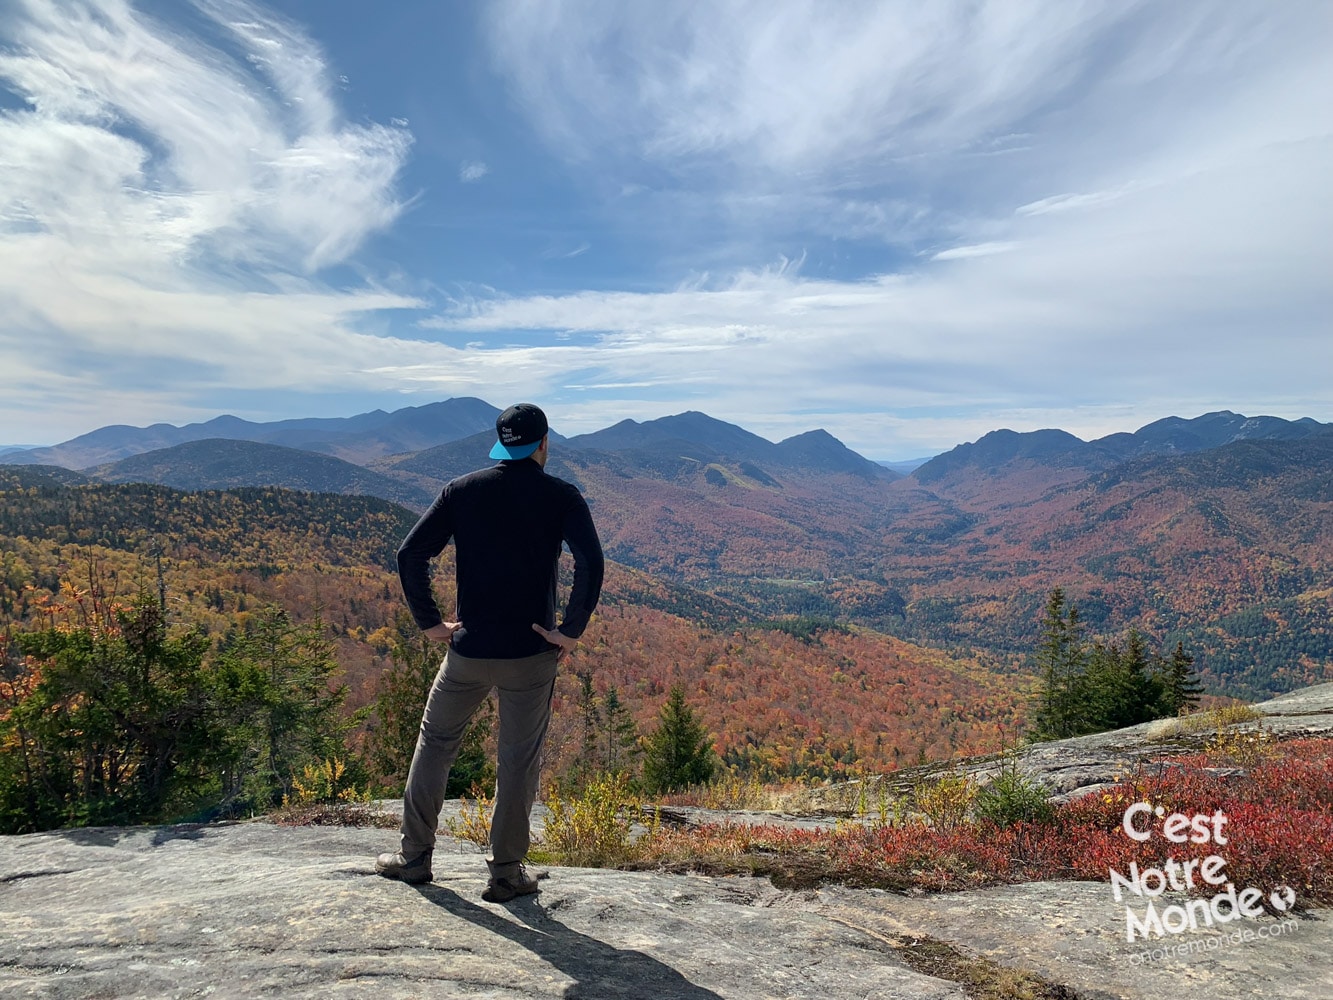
[
  {"x": 423, "y": 543},
  {"x": 589, "y": 567}
]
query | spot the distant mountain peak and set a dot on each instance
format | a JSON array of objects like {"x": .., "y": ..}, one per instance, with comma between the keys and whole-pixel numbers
[
  {"x": 1051, "y": 448},
  {"x": 356, "y": 438}
]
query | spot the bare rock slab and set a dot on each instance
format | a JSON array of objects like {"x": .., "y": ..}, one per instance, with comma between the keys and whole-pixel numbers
[
  {"x": 253, "y": 910},
  {"x": 1073, "y": 933}
]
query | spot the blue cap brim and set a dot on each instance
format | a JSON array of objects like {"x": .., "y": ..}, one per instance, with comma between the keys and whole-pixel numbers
[{"x": 503, "y": 451}]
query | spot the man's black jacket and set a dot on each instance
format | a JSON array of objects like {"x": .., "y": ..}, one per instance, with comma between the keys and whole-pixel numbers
[{"x": 507, "y": 523}]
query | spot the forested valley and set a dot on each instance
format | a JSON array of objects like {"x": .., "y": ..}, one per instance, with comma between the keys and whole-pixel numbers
[{"x": 171, "y": 654}]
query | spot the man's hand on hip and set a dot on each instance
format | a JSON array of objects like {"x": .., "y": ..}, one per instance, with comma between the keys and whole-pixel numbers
[
  {"x": 556, "y": 638},
  {"x": 443, "y": 632}
]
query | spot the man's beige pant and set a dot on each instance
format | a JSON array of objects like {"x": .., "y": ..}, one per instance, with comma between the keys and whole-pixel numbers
[{"x": 525, "y": 687}]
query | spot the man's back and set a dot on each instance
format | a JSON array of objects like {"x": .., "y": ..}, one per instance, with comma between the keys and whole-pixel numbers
[{"x": 507, "y": 523}]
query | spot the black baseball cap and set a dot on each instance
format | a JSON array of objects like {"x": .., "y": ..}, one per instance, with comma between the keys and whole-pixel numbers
[{"x": 520, "y": 429}]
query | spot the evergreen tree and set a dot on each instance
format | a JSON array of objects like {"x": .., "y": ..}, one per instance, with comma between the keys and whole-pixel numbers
[
  {"x": 400, "y": 699},
  {"x": 679, "y": 752},
  {"x": 1103, "y": 683},
  {"x": 1107, "y": 687},
  {"x": 1122, "y": 685},
  {"x": 1141, "y": 684},
  {"x": 621, "y": 734},
  {"x": 1062, "y": 703},
  {"x": 280, "y": 710},
  {"x": 1179, "y": 685},
  {"x": 107, "y": 722},
  {"x": 590, "y": 749}
]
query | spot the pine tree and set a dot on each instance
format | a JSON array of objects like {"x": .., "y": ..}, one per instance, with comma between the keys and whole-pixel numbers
[
  {"x": 1063, "y": 708},
  {"x": 679, "y": 751},
  {"x": 621, "y": 734},
  {"x": 590, "y": 749},
  {"x": 1180, "y": 685}
]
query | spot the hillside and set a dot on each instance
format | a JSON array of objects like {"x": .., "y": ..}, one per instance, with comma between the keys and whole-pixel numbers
[
  {"x": 1006, "y": 453},
  {"x": 699, "y": 435},
  {"x": 28, "y": 476},
  {"x": 783, "y": 704},
  {"x": 815, "y": 703},
  {"x": 218, "y": 463},
  {"x": 1229, "y": 549}
]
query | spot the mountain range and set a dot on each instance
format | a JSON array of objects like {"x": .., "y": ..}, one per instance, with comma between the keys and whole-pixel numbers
[
  {"x": 356, "y": 439},
  {"x": 1215, "y": 530}
]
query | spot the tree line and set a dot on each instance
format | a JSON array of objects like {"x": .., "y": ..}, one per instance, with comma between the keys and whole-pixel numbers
[
  {"x": 1089, "y": 688},
  {"x": 111, "y": 714}
]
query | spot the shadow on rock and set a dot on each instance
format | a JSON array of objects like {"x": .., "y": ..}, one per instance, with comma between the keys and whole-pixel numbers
[
  {"x": 114, "y": 836},
  {"x": 599, "y": 971}
]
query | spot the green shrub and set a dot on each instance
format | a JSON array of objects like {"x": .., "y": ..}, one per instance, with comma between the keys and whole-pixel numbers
[
  {"x": 1013, "y": 797},
  {"x": 946, "y": 800},
  {"x": 596, "y": 828}
]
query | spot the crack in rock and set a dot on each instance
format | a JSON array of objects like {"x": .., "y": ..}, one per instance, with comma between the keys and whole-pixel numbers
[{"x": 18, "y": 876}]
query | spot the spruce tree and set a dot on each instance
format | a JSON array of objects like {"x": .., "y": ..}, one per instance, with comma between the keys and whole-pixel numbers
[
  {"x": 679, "y": 751},
  {"x": 1050, "y": 654},
  {"x": 1142, "y": 688},
  {"x": 1062, "y": 704},
  {"x": 1180, "y": 685},
  {"x": 590, "y": 749},
  {"x": 621, "y": 734},
  {"x": 1122, "y": 687}
]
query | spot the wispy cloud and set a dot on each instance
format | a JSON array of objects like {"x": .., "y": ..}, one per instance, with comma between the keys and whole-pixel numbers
[
  {"x": 800, "y": 86},
  {"x": 472, "y": 170},
  {"x": 559, "y": 253},
  {"x": 974, "y": 250},
  {"x": 164, "y": 201},
  {"x": 1128, "y": 197},
  {"x": 1123, "y": 312},
  {"x": 1068, "y": 202}
]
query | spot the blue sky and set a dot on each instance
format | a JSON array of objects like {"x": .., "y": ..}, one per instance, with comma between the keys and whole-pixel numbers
[{"x": 908, "y": 223}]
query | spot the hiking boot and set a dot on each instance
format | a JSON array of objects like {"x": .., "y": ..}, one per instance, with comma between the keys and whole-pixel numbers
[
  {"x": 413, "y": 871},
  {"x": 505, "y": 888}
]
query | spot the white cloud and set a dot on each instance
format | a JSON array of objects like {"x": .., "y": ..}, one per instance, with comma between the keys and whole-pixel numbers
[
  {"x": 792, "y": 86},
  {"x": 1131, "y": 198},
  {"x": 472, "y": 170},
  {"x": 1119, "y": 310},
  {"x": 163, "y": 201},
  {"x": 974, "y": 250}
]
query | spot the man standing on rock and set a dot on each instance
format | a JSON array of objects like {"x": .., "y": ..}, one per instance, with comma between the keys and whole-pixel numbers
[{"x": 507, "y": 523}]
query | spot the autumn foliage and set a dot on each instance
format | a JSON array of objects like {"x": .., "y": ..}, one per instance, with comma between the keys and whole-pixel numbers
[{"x": 1280, "y": 816}]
